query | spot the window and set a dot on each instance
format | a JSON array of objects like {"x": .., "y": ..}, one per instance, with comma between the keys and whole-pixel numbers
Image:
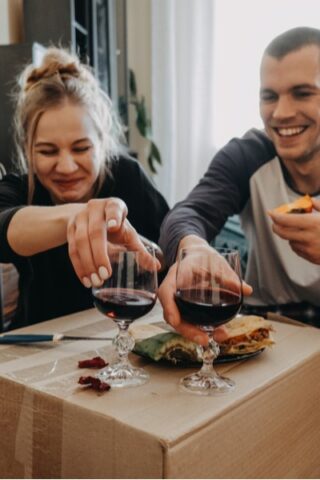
[{"x": 243, "y": 29}]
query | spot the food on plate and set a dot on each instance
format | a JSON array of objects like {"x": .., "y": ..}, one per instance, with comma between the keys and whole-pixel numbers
[
  {"x": 246, "y": 335},
  {"x": 168, "y": 346},
  {"x": 301, "y": 205}
]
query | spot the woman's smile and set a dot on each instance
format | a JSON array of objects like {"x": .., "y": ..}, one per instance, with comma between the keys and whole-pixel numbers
[{"x": 67, "y": 160}]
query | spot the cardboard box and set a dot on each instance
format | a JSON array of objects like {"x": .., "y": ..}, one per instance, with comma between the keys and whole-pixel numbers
[{"x": 51, "y": 428}]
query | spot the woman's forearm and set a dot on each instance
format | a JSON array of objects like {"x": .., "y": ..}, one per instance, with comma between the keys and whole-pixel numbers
[{"x": 36, "y": 229}]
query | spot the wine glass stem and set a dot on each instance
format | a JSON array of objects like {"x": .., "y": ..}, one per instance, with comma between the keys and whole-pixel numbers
[
  {"x": 209, "y": 354},
  {"x": 123, "y": 342}
]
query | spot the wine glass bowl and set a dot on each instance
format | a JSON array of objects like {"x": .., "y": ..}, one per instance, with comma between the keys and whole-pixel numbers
[
  {"x": 127, "y": 295},
  {"x": 208, "y": 294}
]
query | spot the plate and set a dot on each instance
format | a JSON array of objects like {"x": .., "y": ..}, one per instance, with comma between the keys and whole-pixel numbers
[
  {"x": 220, "y": 359},
  {"x": 239, "y": 356}
]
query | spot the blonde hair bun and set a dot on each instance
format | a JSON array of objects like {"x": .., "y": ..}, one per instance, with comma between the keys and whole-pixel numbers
[
  {"x": 59, "y": 64},
  {"x": 62, "y": 77}
]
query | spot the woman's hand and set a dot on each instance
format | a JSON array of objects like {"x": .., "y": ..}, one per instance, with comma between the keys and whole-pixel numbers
[
  {"x": 99, "y": 223},
  {"x": 302, "y": 232}
]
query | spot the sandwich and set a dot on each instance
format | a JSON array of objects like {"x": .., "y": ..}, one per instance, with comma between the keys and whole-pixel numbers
[
  {"x": 246, "y": 334},
  {"x": 301, "y": 205}
]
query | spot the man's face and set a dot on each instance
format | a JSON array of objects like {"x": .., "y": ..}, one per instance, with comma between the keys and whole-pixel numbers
[{"x": 290, "y": 103}]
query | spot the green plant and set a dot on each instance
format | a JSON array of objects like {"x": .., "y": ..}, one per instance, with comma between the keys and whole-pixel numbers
[{"x": 143, "y": 122}]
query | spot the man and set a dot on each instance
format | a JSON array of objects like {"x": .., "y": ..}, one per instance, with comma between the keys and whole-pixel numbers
[{"x": 253, "y": 175}]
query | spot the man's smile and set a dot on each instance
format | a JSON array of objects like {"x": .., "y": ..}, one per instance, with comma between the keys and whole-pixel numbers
[{"x": 289, "y": 131}]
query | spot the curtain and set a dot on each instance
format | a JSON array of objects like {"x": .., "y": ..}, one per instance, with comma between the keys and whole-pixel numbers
[{"x": 182, "y": 92}]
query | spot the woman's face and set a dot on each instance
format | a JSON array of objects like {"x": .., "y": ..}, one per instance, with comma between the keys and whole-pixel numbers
[{"x": 67, "y": 153}]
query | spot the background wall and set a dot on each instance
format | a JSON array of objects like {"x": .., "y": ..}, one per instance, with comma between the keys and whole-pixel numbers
[
  {"x": 10, "y": 21},
  {"x": 139, "y": 54},
  {"x": 139, "y": 60}
]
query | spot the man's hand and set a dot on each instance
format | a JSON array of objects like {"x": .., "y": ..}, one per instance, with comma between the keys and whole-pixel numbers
[
  {"x": 101, "y": 222},
  {"x": 302, "y": 232},
  {"x": 171, "y": 313}
]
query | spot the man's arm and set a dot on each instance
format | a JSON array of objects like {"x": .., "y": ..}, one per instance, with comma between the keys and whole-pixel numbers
[{"x": 223, "y": 191}]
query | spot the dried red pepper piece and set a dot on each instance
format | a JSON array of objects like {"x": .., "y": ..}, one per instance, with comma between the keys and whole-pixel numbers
[
  {"x": 96, "y": 362},
  {"x": 85, "y": 380},
  {"x": 94, "y": 383}
]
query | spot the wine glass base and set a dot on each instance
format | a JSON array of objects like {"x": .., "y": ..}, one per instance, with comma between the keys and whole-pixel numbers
[
  {"x": 206, "y": 384},
  {"x": 121, "y": 375}
]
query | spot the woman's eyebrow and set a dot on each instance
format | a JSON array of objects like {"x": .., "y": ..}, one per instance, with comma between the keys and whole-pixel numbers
[
  {"x": 80, "y": 140},
  {"x": 44, "y": 144}
]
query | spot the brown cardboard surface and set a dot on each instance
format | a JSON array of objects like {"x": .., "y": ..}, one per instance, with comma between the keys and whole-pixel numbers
[{"x": 268, "y": 427}]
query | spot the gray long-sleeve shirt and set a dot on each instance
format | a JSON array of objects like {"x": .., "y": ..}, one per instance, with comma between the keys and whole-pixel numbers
[{"x": 247, "y": 178}]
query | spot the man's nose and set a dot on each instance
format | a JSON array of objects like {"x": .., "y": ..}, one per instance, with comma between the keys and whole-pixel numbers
[
  {"x": 284, "y": 108},
  {"x": 66, "y": 163}
]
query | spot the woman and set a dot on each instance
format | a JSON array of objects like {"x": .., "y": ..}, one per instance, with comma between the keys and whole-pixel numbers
[{"x": 74, "y": 182}]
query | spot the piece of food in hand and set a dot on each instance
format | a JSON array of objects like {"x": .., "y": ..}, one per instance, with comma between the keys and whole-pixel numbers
[
  {"x": 246, "y": 334},
  {"x": 301, "y": 205}
]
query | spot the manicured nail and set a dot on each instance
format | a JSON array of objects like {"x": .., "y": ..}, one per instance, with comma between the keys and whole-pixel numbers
[
  {"x": 96, "y": 280},
  {"x": 103, "y": 273},
  {"x": 112, "y": 223},
  {"x": 86, "y": 282}
]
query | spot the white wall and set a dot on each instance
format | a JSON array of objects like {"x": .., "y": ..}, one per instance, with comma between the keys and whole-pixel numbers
[
  {"x": 139, "y": 60},
  {"x": 238, "y": 48},
  {"x": 4, "y": 22},
  {"x": 10, "y": 21}
]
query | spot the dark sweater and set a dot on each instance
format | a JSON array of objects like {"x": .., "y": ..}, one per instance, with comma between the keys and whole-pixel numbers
[{"x": 49, "y": 287}]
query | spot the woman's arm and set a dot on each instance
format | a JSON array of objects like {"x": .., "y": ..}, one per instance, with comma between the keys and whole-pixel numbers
[
  {"x": 36, "y": 229},
  {"x": 86, "y": 228}
]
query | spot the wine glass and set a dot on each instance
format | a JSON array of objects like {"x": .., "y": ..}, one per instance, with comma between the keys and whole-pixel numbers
[
  {"x": 208, "y": 294},
  {"x": 128, "y": 294}
]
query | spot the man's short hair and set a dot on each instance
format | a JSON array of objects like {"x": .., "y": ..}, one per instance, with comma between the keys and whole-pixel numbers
[{"x": 292, "y": 40}]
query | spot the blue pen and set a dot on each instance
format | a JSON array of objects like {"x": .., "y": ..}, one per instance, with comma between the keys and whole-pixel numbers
[{"x": 34, "y": 338}]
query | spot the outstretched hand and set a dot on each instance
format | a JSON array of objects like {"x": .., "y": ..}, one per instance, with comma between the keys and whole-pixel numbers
[
  {"x": 301, "y": 230},
  {"x": 99, "y": 223},
  {"x": 172, "y": 315}
]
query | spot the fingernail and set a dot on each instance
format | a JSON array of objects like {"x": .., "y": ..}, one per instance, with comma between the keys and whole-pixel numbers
[
  {"x": 86, "y": 282},
  {"x": 96, "y": 281},
  {"x": 103, "y": 273},
  {"x": 111, "y": 223}
]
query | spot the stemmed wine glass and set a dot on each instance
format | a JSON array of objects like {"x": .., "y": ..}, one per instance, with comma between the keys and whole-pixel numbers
[
  {"x": 208, "y": 294},
  {"x": 128, "y": 294}
]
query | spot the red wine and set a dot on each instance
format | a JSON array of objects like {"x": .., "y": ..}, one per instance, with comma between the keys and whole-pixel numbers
[
  {"x": 124, "y": 304},
  {"x": 208, "y": 307}
]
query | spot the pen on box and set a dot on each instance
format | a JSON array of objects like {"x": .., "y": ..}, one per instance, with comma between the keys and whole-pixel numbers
[{"x": 35, "y": 338}]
